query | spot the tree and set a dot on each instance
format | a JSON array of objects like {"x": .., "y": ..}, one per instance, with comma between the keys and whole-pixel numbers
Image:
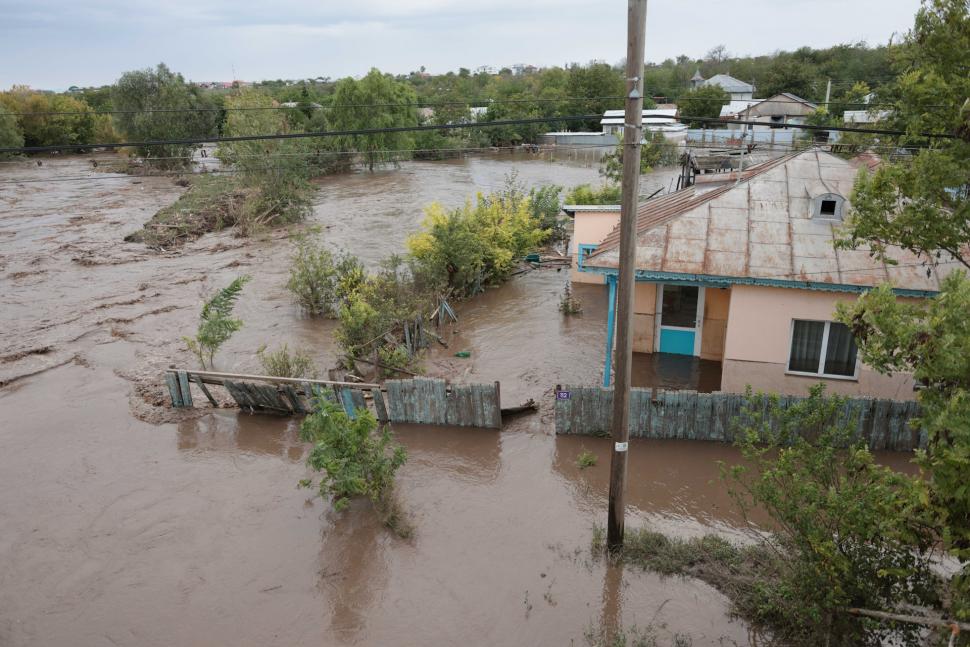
[
  {"x": 717, "y": 54},
  {"x": 931, "y": 339},
  {"x": 47, "y": 119},
  {"x": 353, "y": 459},
  {"x": 216, "y": 324},
  {"x": 277, "y": 169},
  {"x": 389, "y": 104},
  {"x": 922, "y": 206},
  {"x": 842, "y": 523},
  {"x": 704, "y": 102},
  {"x": 159, "y": 105},
  {"x": 10, "y": 134},
  {"x": 789, "y": 74},
  {"x": 594, "y": 89}
]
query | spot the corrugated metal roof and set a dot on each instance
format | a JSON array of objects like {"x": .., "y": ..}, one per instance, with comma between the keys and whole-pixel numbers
[
  {"x": 729, "y": 83},
  {"x": 762, "y": 228}
]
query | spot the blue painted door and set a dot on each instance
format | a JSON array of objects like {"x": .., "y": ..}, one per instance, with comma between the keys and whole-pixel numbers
[{"x": 679, "y": 319}]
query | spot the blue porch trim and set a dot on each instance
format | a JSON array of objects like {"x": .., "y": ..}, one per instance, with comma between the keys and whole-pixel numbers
[
  {"x": 610, "y": 325},
  {"x": 714, "y": 281}
]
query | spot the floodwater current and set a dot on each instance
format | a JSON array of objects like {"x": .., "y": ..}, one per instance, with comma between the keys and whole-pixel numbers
[{"x": 126, "y": 523}]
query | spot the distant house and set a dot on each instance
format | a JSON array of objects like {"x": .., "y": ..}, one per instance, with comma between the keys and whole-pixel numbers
[
  {"x": 746, "y": 276},
  {"x": 660, "y": 119},
  {"x": 867, "y": 116},
  {"x": 738, "y": 89},
  {"x": 774, "y": 112}
]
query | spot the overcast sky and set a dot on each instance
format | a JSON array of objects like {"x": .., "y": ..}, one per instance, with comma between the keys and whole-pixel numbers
[{"x": 58, "y": 43}]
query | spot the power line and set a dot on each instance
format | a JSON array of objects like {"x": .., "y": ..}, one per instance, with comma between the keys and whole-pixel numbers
[{"x": 403, "y": 129}]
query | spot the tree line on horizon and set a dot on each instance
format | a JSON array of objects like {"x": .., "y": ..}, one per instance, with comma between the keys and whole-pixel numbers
[{"x": 422, "y": 98}]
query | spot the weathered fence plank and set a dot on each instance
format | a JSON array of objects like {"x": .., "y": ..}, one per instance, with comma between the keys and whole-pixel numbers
[
  {"x": 185, "y": 389},
  {"x": 657, "y": 413},
  {"x": 429, "y": 401},
  {"x": 173, "y": 389}
]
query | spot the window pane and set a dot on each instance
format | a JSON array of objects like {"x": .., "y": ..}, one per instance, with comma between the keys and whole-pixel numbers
[
  {"x": 679, "y": 306},
  {"x": 840, "y": 355},
  {"x": 806, "y": 346}
]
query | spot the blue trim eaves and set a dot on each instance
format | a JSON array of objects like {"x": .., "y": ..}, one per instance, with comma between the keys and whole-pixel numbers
[{"x": 714, "y": 281}]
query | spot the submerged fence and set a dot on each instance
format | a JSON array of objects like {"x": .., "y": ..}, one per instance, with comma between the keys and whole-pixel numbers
[
  {"x": 656, "y": 413},
  {"x": 419, "y": 400}
]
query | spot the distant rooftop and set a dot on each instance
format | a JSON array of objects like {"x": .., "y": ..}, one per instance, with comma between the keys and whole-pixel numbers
[{"x": 729, "y": 84}]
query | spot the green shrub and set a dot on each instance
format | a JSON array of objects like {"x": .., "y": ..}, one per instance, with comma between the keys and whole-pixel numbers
[
  {"x": 283, "y": 363},
  {"x": 353, "y": 458},
  {"x": 477, "y": 245},
  {"x": 569, "y": 304},
  {"x": 843, "y": 523},
  {"x": 216, "y": 324},
  {"x": 394, "y": 357},
  {"x": 586, "y": 459},
  {"x": 321, "y": 280},
  {"x": 586, "y": 194}
]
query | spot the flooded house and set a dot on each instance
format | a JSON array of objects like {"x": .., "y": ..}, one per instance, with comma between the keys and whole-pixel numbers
[{"x": 742, "y": 274}]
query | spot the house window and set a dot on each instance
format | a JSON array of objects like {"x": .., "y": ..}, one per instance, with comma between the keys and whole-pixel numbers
[
  {"x": 823, "y": 348},
  {"x": 582, "y": 254},
  {"x": 828, "y": 206}
]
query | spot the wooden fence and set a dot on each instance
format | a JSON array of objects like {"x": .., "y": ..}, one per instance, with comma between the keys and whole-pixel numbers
[
  {"x": 419, "y": 400},
  {"x": 433, "y": 402},
  {"x": 884, "y": 424}
]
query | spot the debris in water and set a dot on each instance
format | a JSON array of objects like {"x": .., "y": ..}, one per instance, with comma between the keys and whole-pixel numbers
[{"x": 463, "y": 353}]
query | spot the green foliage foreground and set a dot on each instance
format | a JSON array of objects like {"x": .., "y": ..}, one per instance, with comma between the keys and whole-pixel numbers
[
  {"x": 353, "y": 459},
  {"x": 842, "y": 532}
]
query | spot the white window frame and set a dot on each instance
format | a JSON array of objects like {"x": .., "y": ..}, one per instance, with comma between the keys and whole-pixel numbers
[{"x": 821, "y": 360}]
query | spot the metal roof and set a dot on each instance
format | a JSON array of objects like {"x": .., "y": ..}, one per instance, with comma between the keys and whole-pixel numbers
[
  {"x": 729, "y": 83},
  {"x": 761, "y": 230}
]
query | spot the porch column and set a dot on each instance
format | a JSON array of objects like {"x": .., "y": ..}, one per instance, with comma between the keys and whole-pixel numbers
[{"x": 610, "y": 325}]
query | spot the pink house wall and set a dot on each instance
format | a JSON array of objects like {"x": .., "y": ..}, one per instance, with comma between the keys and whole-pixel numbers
[
  {"x": 758, "y": 342},
  {"x": 590, "y": 227}
]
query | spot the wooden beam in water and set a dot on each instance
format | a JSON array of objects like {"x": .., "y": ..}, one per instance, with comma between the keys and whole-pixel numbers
[
  {"x": 214, "y": 377},
  {"x": 205, "y": 390}
]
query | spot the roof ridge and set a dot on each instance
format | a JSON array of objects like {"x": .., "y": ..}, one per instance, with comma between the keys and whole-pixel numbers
[{"x": 684, "y": 203}]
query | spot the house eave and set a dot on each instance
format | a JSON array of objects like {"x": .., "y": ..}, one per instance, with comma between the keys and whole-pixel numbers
[{"x": 715, "y": 281}]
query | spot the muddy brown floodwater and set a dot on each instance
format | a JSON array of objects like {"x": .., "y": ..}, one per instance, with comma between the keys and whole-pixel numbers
[{"x": 126, "y": 523}]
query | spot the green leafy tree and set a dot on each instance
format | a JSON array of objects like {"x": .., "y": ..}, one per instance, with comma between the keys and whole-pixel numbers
[
  {"x": 391, "y": 104},
  {"x": 478, "y": 244},
  {"x": 704, "y": 102},
  {"x": 10, "y": 134},
  {"x": 656, "y": 151},
  {"x": 216, "y": 324},
  {"x": 922, "y": 206},
  {"x": 932, "y": 340},
  {"x": 277, "y": 169},
  {"x": 843, "y": 525},
  {"x": 352, "y": 457},
  {"x": 157, "y": 104},
  {"x": 40, "y": 123}
]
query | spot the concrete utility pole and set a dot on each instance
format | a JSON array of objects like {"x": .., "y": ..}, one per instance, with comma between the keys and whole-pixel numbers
[{"x": 632, "y": 136}]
